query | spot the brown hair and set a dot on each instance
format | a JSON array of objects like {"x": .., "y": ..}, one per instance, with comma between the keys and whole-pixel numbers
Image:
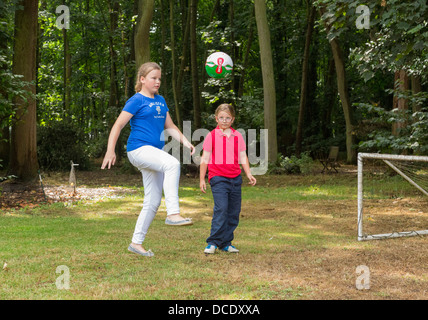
[
  {"x": 225, "y": 107},
  {"x": 145, "y": 69}
]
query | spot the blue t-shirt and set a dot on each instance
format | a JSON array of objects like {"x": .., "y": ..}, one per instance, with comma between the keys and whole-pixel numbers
[{"x": 148, "y": 122}]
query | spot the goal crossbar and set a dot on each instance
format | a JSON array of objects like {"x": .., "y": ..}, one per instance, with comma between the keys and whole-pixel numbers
[{"x": 385, "y": 158}]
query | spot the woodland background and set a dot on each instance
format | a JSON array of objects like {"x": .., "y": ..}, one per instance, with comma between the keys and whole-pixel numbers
[{"x": 304, "y": 70}]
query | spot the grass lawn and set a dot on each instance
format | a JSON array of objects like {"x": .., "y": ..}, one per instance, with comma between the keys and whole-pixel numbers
[{"x": 297, "y": 239}]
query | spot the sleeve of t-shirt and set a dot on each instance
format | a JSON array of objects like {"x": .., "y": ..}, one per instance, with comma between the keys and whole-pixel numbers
[
  {"x": 241, "y": 142},
  {"x": 164, "y": 102},
  {"x": 208, "y": 144},
  {"x": 132, "y": 105}
]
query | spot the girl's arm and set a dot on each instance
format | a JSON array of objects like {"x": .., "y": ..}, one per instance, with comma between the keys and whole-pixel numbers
[
  {"x": 176, "y": 133},
  {"x": 246, "y": 166},
  {"x": 110, "y": 156}
]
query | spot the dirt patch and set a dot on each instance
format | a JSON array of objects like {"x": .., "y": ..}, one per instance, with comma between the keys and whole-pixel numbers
[{"x": 54, "y": 187}]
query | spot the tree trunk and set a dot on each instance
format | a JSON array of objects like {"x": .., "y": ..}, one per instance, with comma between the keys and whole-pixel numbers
[
  {"x": 23, "y": 157},
  {"x": 416, "y": 88},
  {"x": 67, "y": 73},
  {"x": 194, "y": 65},
  {"x": 330, "y": 93},
  {"x": 342, "y": 86},
  {"x": 114, "y": 94},
  {"x": 164, "y": 60},
  {"x": 304, "y": 81},
  {"x": 114, "y": 87},
  {"x": 131, "y": 57},
  {"x": 4, "y": 134},
  {"x": 245, "y": 59},
  {"x": 174, "y": 66},
  {"x": 213, "y": 12},
  {"x": 401, "y": 84},
  {"x": 234, "y": 48},
  {"x": 184, "y": 55},
  {"x": 268, "y": 78},
  {"x": 142, "y": 31}
]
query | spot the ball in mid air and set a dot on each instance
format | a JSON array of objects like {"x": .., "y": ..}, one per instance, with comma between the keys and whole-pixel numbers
[{"x": 218, "y": 65}]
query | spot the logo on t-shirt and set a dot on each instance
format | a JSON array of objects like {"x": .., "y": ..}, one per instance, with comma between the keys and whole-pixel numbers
[{"x": 158, "y": 109}]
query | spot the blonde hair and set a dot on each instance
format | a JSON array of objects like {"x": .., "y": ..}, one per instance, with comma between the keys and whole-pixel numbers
[
  {"x": 143, "y": 71},
  {"x": 227, "y": 108}
]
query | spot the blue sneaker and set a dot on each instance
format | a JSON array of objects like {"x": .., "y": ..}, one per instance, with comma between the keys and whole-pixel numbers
[
  {"x": 210, "y": 249},
  {"x": 230, "y": 249}
]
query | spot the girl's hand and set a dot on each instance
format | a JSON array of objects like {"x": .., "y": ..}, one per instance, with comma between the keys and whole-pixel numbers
[
  {"x": 253, "y": 180},
  {"x": 109, "y": 160},
  {"x": 203, "y": 186},
  {"x": 187, "y": 144}
]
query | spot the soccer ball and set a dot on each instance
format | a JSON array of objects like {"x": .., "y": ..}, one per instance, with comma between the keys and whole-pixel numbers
[{"x": 218, "y": 65}]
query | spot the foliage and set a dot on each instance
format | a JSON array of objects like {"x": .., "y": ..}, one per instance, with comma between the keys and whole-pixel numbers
[
  {"x": 101, "y": 49},
  {"x": 59, "y": 143},
  {"x": 411, "y": 138},
  {"x": 249, "y": 110},
  {"x": 399, "y": 39},
  {"x": 293, "y": 164},
  {"x": 4, "y": 178},
  {"x": 7, "y": 178},
  {"x": 12, "y": 86}
]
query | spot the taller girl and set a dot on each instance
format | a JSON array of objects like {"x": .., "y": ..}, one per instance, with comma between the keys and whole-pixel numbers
[{"x": 148, "y": 115}]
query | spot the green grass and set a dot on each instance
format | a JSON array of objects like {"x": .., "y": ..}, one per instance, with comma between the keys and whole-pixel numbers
[
  {"x": 94, "y": 250},
  {"x": 288, "y": 233},
  {"x": 91, "y": 240}
]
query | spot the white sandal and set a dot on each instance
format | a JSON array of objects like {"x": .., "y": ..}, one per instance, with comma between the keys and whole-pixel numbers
[{"x": 148, "y": 253}]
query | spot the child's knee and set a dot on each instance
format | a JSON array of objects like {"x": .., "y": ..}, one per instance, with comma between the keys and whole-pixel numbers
[{"x": 173, "y": 165}]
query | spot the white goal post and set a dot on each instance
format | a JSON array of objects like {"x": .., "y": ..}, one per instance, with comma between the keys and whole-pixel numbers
[{"x": 387, "y": 158}]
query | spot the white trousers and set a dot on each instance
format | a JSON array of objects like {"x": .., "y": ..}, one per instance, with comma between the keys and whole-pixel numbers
[{"x": 160, "y": 170}]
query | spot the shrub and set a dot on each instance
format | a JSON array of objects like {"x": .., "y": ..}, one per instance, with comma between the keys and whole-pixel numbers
[
  {"x": 60, "y": 142},
  {"x": 293, "y": 164}
]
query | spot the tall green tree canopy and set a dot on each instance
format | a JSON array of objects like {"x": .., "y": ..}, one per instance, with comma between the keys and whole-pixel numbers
[{"x": 337, "y": 87}]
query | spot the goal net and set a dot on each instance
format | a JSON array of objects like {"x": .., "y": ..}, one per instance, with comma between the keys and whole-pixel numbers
[{"x": 392, "y": 196}]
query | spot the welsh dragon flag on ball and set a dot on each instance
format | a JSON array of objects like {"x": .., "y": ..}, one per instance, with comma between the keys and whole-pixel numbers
[{"x": 218, "y": 65}]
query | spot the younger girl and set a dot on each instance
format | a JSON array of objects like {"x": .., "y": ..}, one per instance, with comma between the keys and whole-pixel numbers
[
  {"x": 223, "y": 152},
  {"x": 148, "y": 113}
]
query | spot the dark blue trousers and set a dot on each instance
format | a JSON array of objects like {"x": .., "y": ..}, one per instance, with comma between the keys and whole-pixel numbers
[{"x": 227, "y": 207}]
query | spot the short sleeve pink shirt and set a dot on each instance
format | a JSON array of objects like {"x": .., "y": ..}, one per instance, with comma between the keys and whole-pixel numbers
[{"x": 224, "y": 158}]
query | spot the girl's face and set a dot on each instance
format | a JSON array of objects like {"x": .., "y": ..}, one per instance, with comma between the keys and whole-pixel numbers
[
  {"x": 224, "y": 120},
  {"x": 151, "y": 82}
]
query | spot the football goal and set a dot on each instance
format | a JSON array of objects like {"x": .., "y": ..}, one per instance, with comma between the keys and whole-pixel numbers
[{"x": 392, "y": 195}]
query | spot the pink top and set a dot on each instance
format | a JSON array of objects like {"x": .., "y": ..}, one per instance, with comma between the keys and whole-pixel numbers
[{"x": 224, "y": 159}]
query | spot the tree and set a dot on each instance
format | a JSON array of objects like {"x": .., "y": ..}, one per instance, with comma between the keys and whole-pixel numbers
[
  {"x": 5, "y": 82},
  {"x": 342, "y": 86},
  {"x": 142, "y": 31},
  {"x": 397, "y": 48},
  {"x": 304, "y": 81},
  {"x": 23, "y": 157},
  {"x": 184, "y": 54},
  {"x": 114, "y": 94},
  {"x": 194, "y": 64},
  {"x": 67, "y": 72},
  {"x": 401, "y": 82},
  {"x": 268, "y": 77},
  {"x": 174, "y": 66}
]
